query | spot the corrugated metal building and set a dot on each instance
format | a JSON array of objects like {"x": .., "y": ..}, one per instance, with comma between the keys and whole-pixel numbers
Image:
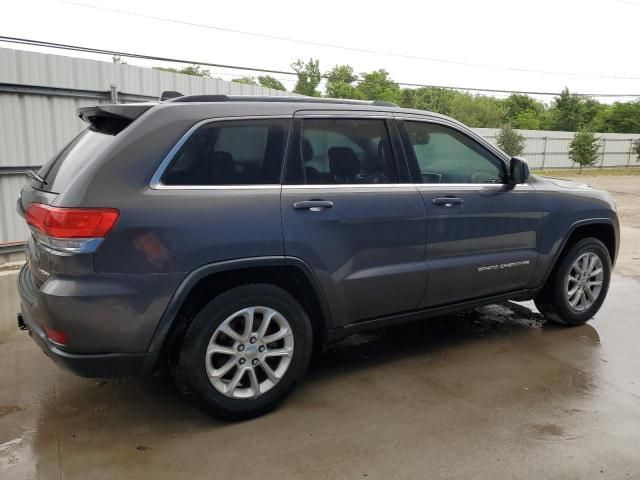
[{"x": 39, "y": 96}]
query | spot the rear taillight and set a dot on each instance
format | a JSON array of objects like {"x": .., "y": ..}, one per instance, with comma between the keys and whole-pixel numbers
[
  {"x": 56, "y": 336},
  {"x": 70, "y": 230},
  {"x": 60, "y": 222}
]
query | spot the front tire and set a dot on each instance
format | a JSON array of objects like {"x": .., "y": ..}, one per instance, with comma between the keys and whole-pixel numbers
[
  {"x": 244, "y": 352},
  {"x": 576, "y": 289}
]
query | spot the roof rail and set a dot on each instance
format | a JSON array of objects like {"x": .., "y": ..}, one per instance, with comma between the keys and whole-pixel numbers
[{"x": 264, "y": 98}]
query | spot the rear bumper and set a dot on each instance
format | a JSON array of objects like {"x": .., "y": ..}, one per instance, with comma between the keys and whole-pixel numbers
[
  {"x": 35, "y": 314},
  {"x": 100, "y": 365}
]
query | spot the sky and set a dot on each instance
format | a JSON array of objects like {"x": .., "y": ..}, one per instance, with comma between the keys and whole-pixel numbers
[{"x": 590, "y": 46}]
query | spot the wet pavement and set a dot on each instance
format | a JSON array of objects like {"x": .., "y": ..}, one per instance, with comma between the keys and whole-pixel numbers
[{"x": 493, "y": 393}]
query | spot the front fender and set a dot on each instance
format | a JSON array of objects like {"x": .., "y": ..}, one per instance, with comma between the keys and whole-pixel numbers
[{"x": 550, "y": 259}]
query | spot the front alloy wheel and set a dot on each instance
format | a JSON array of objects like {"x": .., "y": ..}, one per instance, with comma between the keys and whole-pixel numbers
[
  {"x": 584, "y": 281},
  {"x": 576, "y": 288}
]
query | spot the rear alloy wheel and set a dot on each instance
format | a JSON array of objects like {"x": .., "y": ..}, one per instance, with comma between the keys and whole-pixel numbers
[
  {"x": 244, "y": 352},
  {"x": 577, "y": 288},
  {"x": 249, "y": 352}
]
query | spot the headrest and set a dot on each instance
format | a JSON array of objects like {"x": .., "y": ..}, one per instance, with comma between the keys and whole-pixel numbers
[
  {"x": 223, "y": 163},
  {"x": 343, "y": 162}
]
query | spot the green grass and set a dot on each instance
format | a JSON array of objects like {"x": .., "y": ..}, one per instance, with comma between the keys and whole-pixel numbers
[{"x": 591, "y": 172}]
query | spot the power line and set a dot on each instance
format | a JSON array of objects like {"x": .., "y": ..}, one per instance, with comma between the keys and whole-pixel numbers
[
  {"x": 62, "y": 46},
  {"x": 343, "y": 47}
]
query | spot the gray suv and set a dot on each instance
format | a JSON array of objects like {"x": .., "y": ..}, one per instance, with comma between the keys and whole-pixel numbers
[{"x": 232, "y": 236}]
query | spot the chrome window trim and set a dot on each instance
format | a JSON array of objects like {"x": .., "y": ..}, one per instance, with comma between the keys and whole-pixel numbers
[
  {"x": 348, "y": 185},
  {"x": 269, "y": 186},
  {"x": 419, "y": 186},
  {"x": 342, "y": 114},
  {"x": 156, "y": 184},
  {"x": 495, "y": 186}
]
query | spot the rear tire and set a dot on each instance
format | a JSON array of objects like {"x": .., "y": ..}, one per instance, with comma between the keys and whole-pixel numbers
[
  {"x": 577, "y": 287},
  {"x": 229, "y": 366}
]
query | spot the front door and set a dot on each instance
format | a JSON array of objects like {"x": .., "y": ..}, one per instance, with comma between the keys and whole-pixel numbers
[
  {"x": 482, "y": 233},
  {"x": 347, "y": 213}
]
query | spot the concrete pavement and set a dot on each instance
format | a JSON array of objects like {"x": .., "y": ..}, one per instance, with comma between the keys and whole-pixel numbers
[{"x": 495, "y": 393}]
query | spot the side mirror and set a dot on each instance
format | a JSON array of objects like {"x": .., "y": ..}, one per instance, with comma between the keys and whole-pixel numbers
[{"x": 518, "y": 170}]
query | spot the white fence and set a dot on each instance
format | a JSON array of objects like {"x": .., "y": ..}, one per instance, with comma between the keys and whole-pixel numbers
[{"x": 545, "y": 149}]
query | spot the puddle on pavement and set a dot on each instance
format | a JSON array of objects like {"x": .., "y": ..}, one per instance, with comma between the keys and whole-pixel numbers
[{"x": 499, "y": 372}]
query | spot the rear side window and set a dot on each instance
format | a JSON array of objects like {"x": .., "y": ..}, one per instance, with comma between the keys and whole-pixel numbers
[
  {"x": 341, "y": 151},
  {"x": 237, "y": 152},
  {"x": 65, "y": 166}
]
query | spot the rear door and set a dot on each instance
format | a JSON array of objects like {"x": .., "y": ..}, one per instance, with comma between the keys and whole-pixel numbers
[
  {"x": 482, "y": 233},
  {"x": 350, "y": 212}
]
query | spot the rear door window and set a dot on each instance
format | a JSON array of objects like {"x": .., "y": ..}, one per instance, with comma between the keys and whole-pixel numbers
[
  {"x": 341, "y": 151},
  {"x": 236, "y": 152}
]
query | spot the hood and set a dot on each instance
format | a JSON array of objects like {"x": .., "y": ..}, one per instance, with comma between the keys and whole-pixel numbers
[{"x": 566, "y": 183}]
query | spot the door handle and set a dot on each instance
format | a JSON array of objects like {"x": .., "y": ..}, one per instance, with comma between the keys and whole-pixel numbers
[
  {"x": 447, "y": 201},
  {"x": 313, "y": 205}
]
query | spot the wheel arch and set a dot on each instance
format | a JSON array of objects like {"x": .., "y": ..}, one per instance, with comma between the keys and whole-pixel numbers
[
  {"x": 604, "y": 229},
  {"x": 290, "y": 273}
]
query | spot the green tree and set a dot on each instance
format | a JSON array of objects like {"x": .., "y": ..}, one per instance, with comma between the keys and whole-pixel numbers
[
  {"x": 377, "y": 85},
  {"x": 309, "y": 77},
  {"x": 567, "y": 112},
  {"x": 340, "y": 82},
  {"x": 517, "y": 104},
  {"x": 195, "y": 70},
  {"x": 268, "y": 81},
  {"x": 245, "y": 80},
  {"x": 590, "y": 110},
  {"x": 477, "y": 110},
  {"x": 635, "y": 149},
  {"x": 439, "y": 100},
  {"x": 571, "y": 112},
  {"x": 527, "y": 120},
  {"x": 510, "y": 141},
  {"x": 621, "y": 117},
  {"x": 583, "y": 149}
]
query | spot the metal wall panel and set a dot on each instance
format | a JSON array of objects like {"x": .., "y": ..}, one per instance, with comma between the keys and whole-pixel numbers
[
  {"x": 12, "y": 226},
  {"x": 33, "y": 127}
]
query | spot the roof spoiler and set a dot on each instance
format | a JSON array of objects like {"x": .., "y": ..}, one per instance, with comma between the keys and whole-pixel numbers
[
  {"x": 169, "y": 94},
  {"x": 112, "y": 119}
]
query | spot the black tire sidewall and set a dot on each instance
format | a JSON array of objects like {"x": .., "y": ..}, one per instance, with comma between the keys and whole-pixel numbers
[
  {"x": 190, "y": 371},
  {"x": 560, "y": 305}
]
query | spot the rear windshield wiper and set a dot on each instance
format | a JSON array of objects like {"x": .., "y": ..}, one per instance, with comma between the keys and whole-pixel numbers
[{"x": 37, "y": 177}]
